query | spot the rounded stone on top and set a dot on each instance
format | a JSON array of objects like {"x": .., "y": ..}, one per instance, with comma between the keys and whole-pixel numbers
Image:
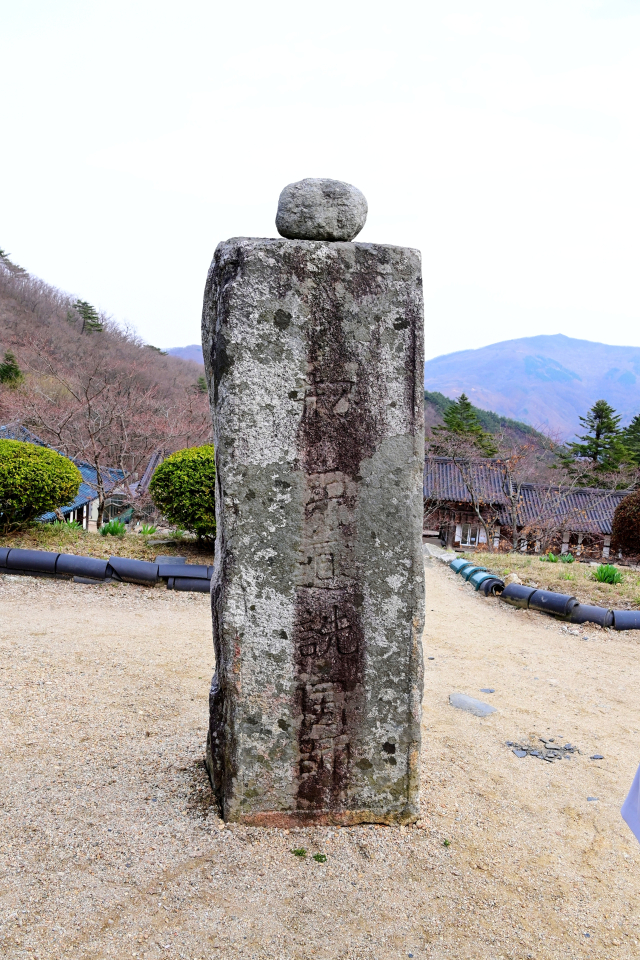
[{"x": 316, "y": 209}]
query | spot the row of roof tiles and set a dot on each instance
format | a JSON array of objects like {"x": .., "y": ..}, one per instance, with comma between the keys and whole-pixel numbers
[{"x": 582, "y": 509}]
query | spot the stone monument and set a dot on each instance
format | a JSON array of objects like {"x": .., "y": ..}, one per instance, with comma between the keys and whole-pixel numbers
[{"x": 313, "y": 349}]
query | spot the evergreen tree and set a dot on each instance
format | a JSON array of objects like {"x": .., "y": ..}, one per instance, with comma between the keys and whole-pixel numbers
[
  {"x": 10, "y": 372},
  {"x": 90, "y": 319},
  {"x": 461, "y": 419},
  {"x": 13, "y": 268},
  {"x": 603, "y": 442},
  {"x": 631, "y": 439}
]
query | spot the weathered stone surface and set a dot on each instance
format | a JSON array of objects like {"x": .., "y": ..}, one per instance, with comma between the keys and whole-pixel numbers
[
  {"x": 314, "y": 358},
  {"x": 321, "y": 210}
]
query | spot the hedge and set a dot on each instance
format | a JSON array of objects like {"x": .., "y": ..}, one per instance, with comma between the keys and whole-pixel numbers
[
  {"x": 33, "y": 480},
  {"x": 183, "y": 488}
]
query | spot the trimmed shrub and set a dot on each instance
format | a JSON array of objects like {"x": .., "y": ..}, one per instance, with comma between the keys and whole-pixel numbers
[
  {"x": 183, "y": 488},
  {"x": 33, "y": 480},
  {"x": 626, "y": 526}
]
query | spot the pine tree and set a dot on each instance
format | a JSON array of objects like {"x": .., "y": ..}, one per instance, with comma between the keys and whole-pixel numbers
[
  {"x": 631, "y": 439},
  {"x": 13, "y": 268},
  {"x": 10, "y": 372},
  {"x": 461, "y": 419},
  {"x": 90, "y": 319},
  {"x": 603, "y": 442}
]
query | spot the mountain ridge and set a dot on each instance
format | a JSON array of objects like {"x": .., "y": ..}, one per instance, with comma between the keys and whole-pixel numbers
[
  {"x": 546, "y": 381},
  {"x": 192, "y": 352}
]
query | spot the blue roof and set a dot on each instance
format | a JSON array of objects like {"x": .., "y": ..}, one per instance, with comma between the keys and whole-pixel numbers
[
  {"x": 87, "y": 491},
  {"x": 15, "y": 431}
]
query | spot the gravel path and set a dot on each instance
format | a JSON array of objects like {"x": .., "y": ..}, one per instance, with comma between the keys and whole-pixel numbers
[{"x": 110, "y": 847}]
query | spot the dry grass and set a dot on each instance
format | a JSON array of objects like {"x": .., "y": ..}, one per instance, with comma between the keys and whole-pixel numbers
[
  {"x": 44, "y": 536},
  {"x": 574, "y": 578}
]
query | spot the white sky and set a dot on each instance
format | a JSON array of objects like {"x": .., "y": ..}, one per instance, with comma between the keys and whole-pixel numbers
[{"x": 500, "y": 138}]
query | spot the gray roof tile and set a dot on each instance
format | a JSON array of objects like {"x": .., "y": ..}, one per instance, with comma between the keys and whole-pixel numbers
[{"x": 581, "y": 509}]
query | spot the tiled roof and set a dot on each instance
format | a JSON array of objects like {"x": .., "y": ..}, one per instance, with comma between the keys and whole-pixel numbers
[
  {"x": 443, "y": 480},
  {"x": 583, "y": 509},
  {"x": 15, "y": 431},
  {"x": 155, "y": 460},
  {"x": 87, "y": 491}
]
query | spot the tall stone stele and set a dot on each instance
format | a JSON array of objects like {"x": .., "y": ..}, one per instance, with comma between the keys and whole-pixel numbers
[{"x": 313, "y": 348}]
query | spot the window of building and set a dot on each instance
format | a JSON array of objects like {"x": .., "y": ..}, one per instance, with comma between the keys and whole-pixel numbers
[{"x": 469, "y": 535}]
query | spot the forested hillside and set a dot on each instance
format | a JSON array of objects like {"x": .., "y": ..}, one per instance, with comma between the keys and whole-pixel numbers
[
  {"x": 87, "y": 387},
  {"x": 436, "y": 404}
]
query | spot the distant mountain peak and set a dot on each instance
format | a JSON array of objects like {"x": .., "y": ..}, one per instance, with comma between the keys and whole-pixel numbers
[
  {"x": 548, "y": 381},
  {"x": 192, "y": 352}
]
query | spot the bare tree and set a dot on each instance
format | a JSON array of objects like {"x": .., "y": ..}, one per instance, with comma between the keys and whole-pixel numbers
[
  {"x": 91, "y": 389},
  {"x": 522, "y": 461},
  {"x": 462, "y": 451},
  {"x": 105, "y": 408},
  {"x": 566, "y": 500}
]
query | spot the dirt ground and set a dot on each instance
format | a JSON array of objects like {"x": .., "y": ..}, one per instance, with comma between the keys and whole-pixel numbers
[{"x": 110, "y": 846}]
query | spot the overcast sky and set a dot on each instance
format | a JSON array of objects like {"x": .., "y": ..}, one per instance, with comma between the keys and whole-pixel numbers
[{"x": 500, "y": 138}]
